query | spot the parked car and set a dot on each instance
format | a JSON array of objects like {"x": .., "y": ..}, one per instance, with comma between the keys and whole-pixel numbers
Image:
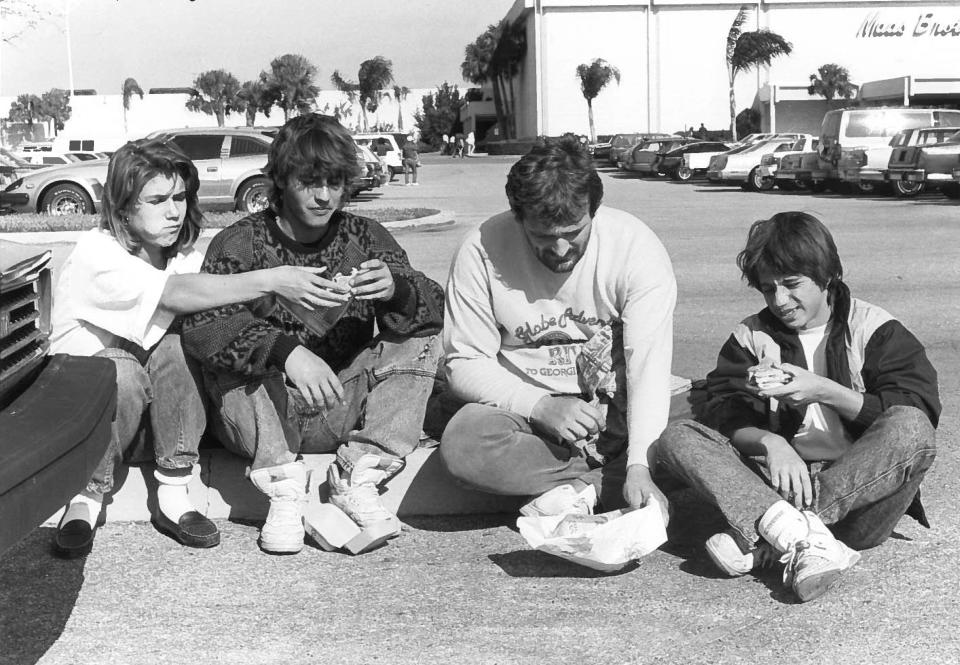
[
  {"x": 12, "y": 167},
  {"x": 600, "y": 149},
  {"x": 621, "y": 143},
  {"x": 645, "y": 157},
  {"x": 229, "y": 161},
  {"x": 866, "y": 167},
  {"x": 373, "y": 172},
  {"x": 392, "y": 158},
  {"x": 685, "y": 161},
  {"x": 933, "y": 165},
  {"x": 743, "y": 167},
  {"x": 770, "y": 165},
  {"x": 857, "y": 129},
  {"x": 44, "y": 158},
  {"x": 903, "y": 156}
]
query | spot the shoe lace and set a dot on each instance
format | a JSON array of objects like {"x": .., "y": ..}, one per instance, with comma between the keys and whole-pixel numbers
[
  {"x": 364, "y": 500},
  {"x": 791, "y": 558},
  {"x": 285, "y": 511}
]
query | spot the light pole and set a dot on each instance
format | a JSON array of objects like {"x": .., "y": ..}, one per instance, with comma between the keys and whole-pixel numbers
[{"x": 66, "y": 13}]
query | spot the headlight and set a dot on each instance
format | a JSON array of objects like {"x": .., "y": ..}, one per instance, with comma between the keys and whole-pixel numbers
[{"x": 14, "y": 185}]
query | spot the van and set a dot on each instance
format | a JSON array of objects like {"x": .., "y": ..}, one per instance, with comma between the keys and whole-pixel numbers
[
  {"x": 861, "y": 129},
  {"x": 392, "y": 158}
]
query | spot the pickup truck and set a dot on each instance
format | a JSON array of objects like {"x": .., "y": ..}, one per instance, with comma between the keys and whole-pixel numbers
[
  {"x": 929, "y": 166},
  {"x": 868, "y": 166},
  {"x": 55, "y": 411}
]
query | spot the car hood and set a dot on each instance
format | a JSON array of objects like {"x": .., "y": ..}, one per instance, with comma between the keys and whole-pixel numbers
[{"x": 90, "y": 169}]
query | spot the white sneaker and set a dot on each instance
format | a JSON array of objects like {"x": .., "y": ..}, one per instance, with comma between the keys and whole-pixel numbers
[
  {"x": 814, "y": 559},
  {"x": 355, "y": 492},
  {"x": 285, "y": 485},
  {"x": 562, "y": 500},
  {"x": 726, "y": 554}
]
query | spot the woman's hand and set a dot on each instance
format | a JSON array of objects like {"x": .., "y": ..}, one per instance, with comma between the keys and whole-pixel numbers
[
  {"x": 788, "y": 473},
  {"x": 373, "y": 282},
  {"x": 304, "y": 286}
]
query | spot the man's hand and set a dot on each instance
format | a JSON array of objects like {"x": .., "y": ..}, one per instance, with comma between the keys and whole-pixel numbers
[
  {"x": 313, "y": 378},
  {"x": 788, "y": 473},
  {"x": 566, "y": 418},
  {"x": 373, "y": 282},
  {"x": 305, "y": 287},
  {"x": 639, "y": 488}
]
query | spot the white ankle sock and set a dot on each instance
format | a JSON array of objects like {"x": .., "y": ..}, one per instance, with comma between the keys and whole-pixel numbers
[
  {"x": 172, "y": 495},
  {"x": 82, "y": 507}
]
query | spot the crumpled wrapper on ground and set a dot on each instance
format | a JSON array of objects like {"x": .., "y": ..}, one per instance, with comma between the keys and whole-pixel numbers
[{"x": 624, "y": 536}]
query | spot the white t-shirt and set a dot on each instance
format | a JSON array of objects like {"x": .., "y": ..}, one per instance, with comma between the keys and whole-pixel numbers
[
  {"x": 822, "y": 435},
  {"x": 105, "y": 293},
  {"x": 513, "y": 329}
]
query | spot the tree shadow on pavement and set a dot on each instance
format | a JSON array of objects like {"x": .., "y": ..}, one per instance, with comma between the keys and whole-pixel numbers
[{"x": 38, "y": 591}]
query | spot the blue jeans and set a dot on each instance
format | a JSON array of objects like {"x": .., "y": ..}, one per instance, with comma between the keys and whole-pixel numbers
[
  {"x": 496, "y": 451},
  {"x": 385, "y": 391},
  {"x": 159, "y": 400},
  {"x": 862, "y": 494}
]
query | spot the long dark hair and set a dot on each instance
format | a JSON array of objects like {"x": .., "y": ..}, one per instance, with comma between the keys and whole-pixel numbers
[{"x": 797, "y": 243}]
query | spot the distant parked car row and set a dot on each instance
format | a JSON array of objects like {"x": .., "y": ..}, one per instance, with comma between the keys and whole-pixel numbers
[
  {"x": 858, "y": 150},
  {"x": 229, "y": 161}
]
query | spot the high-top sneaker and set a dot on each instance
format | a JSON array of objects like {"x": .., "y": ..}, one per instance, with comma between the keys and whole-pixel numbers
[
  {"x": 354, "y": 490},
  {"x": 285, "y": 485},
  {"x": 726, "y": 553},
  {"x": 814, "y": 559}
]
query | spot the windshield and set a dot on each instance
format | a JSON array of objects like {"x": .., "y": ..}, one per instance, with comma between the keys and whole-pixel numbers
[
  {"x": 622, "y": 140},
  {"x": 887, "y": 122}
]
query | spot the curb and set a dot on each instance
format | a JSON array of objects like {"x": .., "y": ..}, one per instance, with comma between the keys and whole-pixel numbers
[{"x": 441, "y": 218}]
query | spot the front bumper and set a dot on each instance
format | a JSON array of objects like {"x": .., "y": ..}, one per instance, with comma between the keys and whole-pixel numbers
[
  {"x": 727, "y": 177},
  {"x": 803, "y": 175},
  {"x": 850, "y": 174},
  {"x": 17, "y": 201}
]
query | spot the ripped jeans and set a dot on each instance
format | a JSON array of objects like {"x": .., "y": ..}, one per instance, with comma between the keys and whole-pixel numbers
[{"x": 385, "y": 391}]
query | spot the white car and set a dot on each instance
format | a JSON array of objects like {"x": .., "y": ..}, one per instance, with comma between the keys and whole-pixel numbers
[
  {"x": 743, "y": 167},
  {"x": 770, "y": 164},
  {"x": 392, "y": 158}
]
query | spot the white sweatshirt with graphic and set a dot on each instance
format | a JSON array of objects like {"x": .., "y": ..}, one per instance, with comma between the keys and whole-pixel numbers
[{"x": 513, "y": 328}]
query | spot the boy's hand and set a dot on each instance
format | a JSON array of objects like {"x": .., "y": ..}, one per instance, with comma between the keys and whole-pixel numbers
[
  {"x": 566, "y": 418},
  {"x": 373, "y": 282},
  {"x": 788, "y": 473},
  {"x": 639, "y": 489},
  {"x": 805, "y": 388},
  {"x": 313, "y": 378}
]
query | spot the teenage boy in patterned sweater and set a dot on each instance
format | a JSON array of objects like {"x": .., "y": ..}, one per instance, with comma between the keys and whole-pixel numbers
[
  {"x": 559, "y": 335},
  {"x": 312, "y": 377}
]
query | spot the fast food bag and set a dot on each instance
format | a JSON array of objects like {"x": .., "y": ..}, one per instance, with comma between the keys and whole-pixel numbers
[{"x": 605, "y": 542}]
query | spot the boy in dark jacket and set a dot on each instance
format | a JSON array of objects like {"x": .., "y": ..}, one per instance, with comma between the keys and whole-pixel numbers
[
  {"x": 822, "y": 412},
  {"x": 309, "y": 377}
]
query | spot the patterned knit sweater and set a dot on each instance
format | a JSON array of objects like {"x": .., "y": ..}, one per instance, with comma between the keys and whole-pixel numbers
[{"x": 247, "y": 338}]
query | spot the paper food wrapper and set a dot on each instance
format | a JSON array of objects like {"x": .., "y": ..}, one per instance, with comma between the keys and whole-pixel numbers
[{"x": 624, "y": 536}]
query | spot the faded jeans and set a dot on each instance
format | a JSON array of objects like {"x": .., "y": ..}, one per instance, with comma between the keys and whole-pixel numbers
[
  {"x": 496, "y": 451},
  {"x": 159, "y": 400},
  {"x": 385, "y": 391},
  {"x": 862, "y": 494}
]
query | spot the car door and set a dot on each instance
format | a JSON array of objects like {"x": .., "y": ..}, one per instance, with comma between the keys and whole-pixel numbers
[{"x": 205, "y": 151}]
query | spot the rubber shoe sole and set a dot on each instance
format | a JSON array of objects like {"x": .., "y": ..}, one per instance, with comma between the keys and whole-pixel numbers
[{"x": 813, "y": 586}]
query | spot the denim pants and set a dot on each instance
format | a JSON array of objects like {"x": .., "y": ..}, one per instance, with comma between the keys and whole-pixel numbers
[
  {"x": 385, "y": 391},
  {"x": 409, "y": 166},
  {"x": 160, "y": 401},
  {"x": 496, "y": 451},
  {"x": 861, "y": 495}
]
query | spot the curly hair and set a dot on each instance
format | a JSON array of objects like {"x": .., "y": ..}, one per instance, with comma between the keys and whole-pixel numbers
[
  {"x": 311, "y": 148},
  {"x": 555, "y": 183},
  {"x": 133, "y": 166}
]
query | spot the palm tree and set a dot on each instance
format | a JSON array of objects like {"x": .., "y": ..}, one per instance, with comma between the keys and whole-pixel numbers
[
  {"x": 289, "y": 84},
  {"x": 495, "y": 57},
  {"x": 832, "y": 81},
  {"x": 400, "y": 93},
  {"x": 477, "y": 68},
  {"x": 594, "y": 78},
  {"x": 215, "y": 93},
  {"x": 250, "y": 99},
  {"x": 375, "y": 75},
  {"x": 746, "y": 50},
  {"x": 130, "y": 88}
]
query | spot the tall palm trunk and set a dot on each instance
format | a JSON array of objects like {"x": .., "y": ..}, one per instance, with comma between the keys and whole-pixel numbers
[
  {"x": 399, "y": 117},
  {"x": 593, "y": 132},
  {"x": 733, "y": 104},
  {"x": 498, "y": 106}
]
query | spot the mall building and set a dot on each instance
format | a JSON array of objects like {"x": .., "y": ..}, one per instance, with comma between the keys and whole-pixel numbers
[{"x": 671, "y": 56}]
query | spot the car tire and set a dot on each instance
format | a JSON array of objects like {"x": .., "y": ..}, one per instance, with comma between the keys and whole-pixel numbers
[
  {"x": 907, "y": 189},
  {"x": 818, "y": 187},
  {"x": 951, "y": 191},
  {"x": 757, "y": 182},
  {"x": 252, "y": 196},
  {"x": 66, "y": 199},
  {"x": 682, "y": 173},
  {"x": 866, "y": 187}
]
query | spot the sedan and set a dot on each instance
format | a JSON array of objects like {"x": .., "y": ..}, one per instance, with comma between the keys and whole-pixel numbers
[
  {"x": 743, "y": 167},
  {"x": 686, "y": 161},
  {"x": 645, "y": 157}
]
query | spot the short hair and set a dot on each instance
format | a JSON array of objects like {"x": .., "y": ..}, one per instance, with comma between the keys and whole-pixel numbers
[
  {"x": 311, "y": 148},
  {"x": 131, "y": 167},
  {"x": 790, "y": 243},
  {"x": 555, "y": 183}
]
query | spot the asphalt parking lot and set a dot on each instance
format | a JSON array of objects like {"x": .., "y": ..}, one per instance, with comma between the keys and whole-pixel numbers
[{"x": 466, "y": 590}]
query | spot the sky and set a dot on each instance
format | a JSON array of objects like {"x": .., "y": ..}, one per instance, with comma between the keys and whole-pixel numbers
[{"x": 167, "y": 43}]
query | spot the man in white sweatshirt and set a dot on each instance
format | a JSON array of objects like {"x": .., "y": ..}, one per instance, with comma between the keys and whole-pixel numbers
[{"x": 558, "y": 333}]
